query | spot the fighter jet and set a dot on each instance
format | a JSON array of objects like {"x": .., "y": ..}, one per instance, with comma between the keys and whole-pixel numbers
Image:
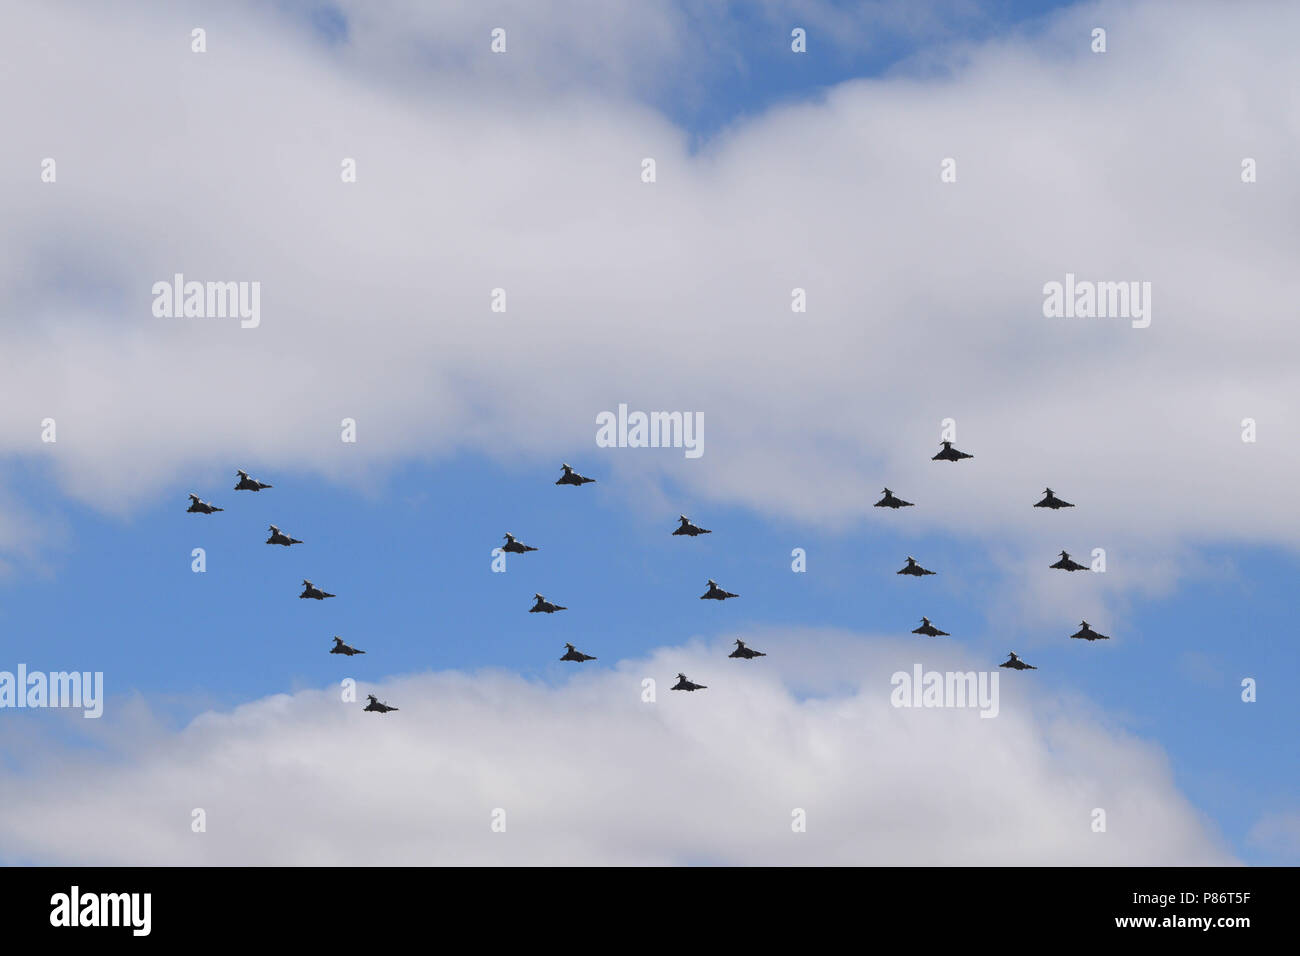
[
  {"x": 892, "y": 501},
  {"x": 376, "y": 706},
  {"x": 1065, "y": 564},
  {"x": 689, "y": 529},
  {"x": 929, "y": 630},
  {"x": 948, "y": 453},
  {"x": 571, "y": 477},
  {"x": 341, "y": 648},
  {"x": 1051, "y": 501},
  {"x": 249, "y": 484},
  {"x": 513, "y": 546},
  {"x": 913, "y": 569},
  {"x": 279, "y": 537},
  {"x": 575, "y": 655},
  {"x": 544, "y": 606},
  {"x": 201, "y": 507},
  {"x": 309, "y": 590},
  {"x": 684, "y": 684},
  {"x": 745, "y": 653},
  {"x": 1085, "y": 633},
  {"x": 1016, "y": 663},
  {"x": 715, "y": 593}
]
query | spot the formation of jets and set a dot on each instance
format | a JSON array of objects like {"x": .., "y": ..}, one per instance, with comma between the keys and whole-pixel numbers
[
  {"x": 1066, "y": 563},
  {"x": 685, "y": 528},
  {"x": 247, "y": 483}
]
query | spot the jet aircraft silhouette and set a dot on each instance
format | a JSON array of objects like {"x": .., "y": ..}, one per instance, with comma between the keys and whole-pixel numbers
[
  {"x": 913, "y": 569},
  {"x": 279, "y": 537},
  {"x": 715, "y": 593},
  {"x": 892, "y": 501},
  {"x": 249, "y": 484},
  {"x": 1065, "y": 564},
  {"x": 310, "y": 590},
  {"x": 1085, "y": 633},
  {"x": 1015, "y": 663},
  {"x": 544, "y": 606},
  {"x": 571, "y": 477},
  {"x": 513, "y": 546},
  {"x": 929, "y": 630},
  {"x": 1051, "y": 501},
  {"x": 689, "y": 529},
  {"x": 948, "y": 453}
]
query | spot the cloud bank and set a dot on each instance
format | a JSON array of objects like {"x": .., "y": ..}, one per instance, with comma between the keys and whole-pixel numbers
[
  {"x": 924, "y": 297},
  {"x": 588, "y": 773}
]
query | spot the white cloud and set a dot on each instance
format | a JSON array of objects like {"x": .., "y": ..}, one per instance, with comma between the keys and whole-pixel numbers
[
  {"x": 588, "y": 774},
  {"x": 924, "y": 298}
]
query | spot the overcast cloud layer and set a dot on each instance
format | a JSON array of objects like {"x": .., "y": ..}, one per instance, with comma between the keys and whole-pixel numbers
[{"x": 588, "y": 773}]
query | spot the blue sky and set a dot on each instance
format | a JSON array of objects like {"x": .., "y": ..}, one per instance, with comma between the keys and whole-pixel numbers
[
  {"x": 404, "y": 538},
  {"x": 767, "y": 75},
  {"x": 410, "y": 563}
]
